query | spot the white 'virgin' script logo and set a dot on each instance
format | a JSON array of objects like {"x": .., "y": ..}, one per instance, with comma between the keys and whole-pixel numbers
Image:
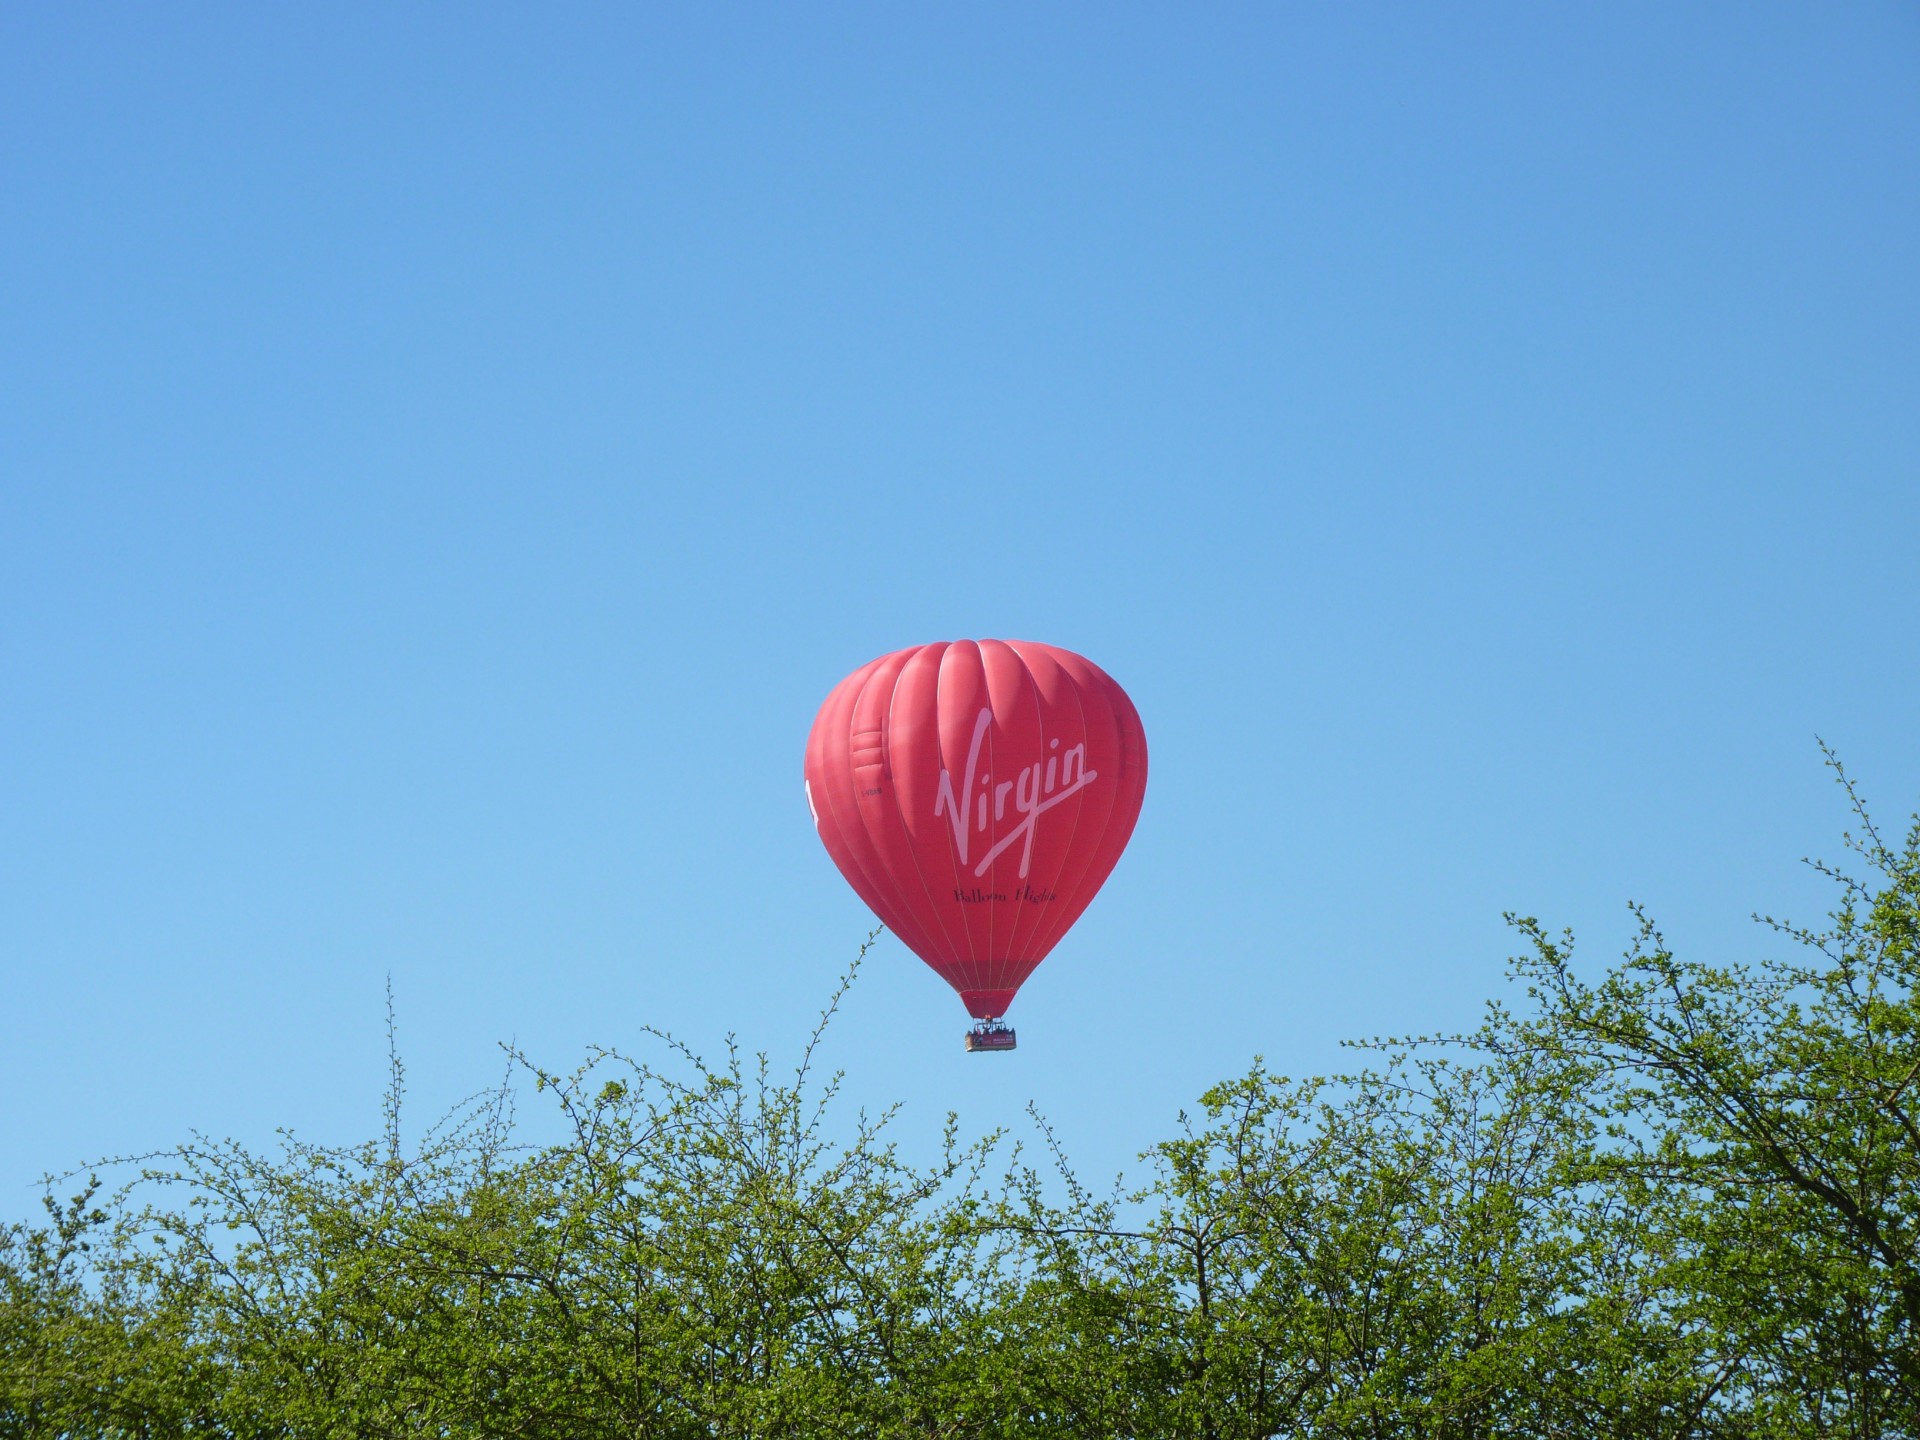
[{"x": 1035, "y": 790}]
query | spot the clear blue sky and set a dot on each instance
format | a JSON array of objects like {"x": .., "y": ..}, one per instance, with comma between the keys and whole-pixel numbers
[{"x": 447, "y": 454}]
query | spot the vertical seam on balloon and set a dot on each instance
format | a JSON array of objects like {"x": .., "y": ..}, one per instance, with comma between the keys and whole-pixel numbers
[
  {"x": 987, "y": 966},
  {"x": 940, "y": 753},
  {"x": 1040, "y": 724},
  {"x": 912, "y": 851},
  {"x": 1093, "y": 849},
  {"x": 887, "y": 881},
  {"x": 1080, "y": 703},
  {"x": 1100, "y": 838},
  {"x": 982, "y": 966}
]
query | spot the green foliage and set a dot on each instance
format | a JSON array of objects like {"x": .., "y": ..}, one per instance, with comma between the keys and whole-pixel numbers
[
  {"x": 1672, "y": 1200},
  {"x": 1770, "y": 1117}
]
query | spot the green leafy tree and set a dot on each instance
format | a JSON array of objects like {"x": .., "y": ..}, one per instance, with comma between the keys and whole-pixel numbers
[
  {"x": 1769, "y": 1117},
  {"x": 1674, "y": 1201}
]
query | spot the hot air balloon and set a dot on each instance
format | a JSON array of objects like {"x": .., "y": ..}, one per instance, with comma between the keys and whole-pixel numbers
[{"x": 976, "y": 795}]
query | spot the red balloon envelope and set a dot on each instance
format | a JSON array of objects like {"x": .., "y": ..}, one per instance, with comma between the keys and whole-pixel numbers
[{"x": 977, "y": 795}]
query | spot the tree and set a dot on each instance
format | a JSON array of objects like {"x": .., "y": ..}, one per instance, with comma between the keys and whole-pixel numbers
[
  {"x": 1770, "y": 1116},
  {"x": 1676, "y": 1201}
]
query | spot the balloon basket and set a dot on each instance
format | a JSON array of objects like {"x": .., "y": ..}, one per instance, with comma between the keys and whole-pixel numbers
[{"x": 989, "y": 1035}]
